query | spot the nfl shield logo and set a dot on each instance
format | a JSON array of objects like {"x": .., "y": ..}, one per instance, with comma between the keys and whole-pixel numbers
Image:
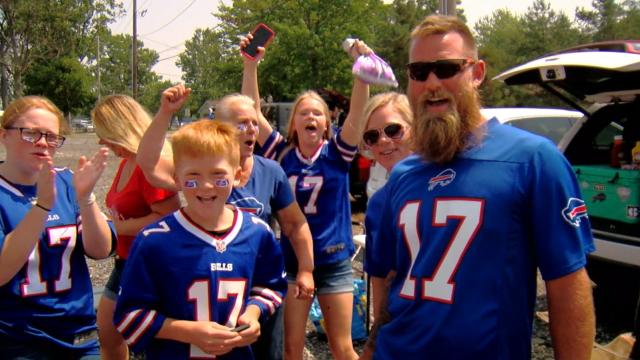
[{"x": 221, "y": 246}]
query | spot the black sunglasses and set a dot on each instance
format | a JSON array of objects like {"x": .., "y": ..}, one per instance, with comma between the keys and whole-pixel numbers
[
  {"x": 443, "y": 69},
  {"x": 392, "y": 131}
]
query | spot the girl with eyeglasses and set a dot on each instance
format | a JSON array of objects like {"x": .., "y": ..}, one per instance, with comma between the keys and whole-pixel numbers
[
  {"x": 133, "y": 202},
  {"x": 388, "y": 118},
  {"x": 317, "y": 165},
  {"x": 49, "y": 221}
]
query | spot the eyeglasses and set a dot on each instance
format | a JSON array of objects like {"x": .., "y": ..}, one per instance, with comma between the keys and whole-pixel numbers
[
  {"x": 243, "y": 127},
  {"x": 443, "y": 69},
  {"x": 33, "y": 136},
  {"x": 392, "y": 131}
]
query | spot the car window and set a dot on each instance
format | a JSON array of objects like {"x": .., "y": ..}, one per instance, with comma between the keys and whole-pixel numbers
[
  {"x": 593, "y": 142},
  {"x": 605, "y": 137},
  {"x": 553, "y": 128}
]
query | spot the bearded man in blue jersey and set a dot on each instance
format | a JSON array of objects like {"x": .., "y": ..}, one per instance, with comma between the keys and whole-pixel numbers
[{"x": 473, "y": 216}]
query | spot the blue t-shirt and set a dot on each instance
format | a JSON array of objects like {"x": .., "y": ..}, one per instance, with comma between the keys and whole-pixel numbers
[
  {"x": 178, "y": 270},
  {"x": 466, "y": 238},
  {"x": 266, "y": 192},
  {"x": 50, "y": 300},
  {"x": 372, "y": 223},
  {"x": 321, "y": 187}
]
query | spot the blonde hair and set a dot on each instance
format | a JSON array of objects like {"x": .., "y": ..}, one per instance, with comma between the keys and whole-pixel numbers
[
  {"x": 399, "y": 103},
  {"x": 121, "y": 120},
  {"x": 224, "y": 108},
  {"x": 20, "y": 106},
  {"x": 441, "y": 24},
  {"x": 206, "y": 138},
  {"x": 292, "y": 135}
]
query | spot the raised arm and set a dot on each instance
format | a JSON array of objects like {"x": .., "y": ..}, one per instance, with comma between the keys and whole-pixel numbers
[
  {"x": 158, "y": 169},
  {"x": 96, "y": 233},
  {"x": 354, "y": 124},
  {"x": 250, "y": 87},
  {"x": 19, "y": 243}
]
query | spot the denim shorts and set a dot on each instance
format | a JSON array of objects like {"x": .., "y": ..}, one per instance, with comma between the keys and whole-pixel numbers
[
  {"x": 113, "y": 284},
  {"x": 332, "y": 278}
]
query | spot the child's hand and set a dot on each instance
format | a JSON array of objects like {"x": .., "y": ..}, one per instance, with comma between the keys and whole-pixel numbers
[
  {"x": 260, "y": 51},
  {"x": 251, "y": 334},
  {"x": 47, "y": 185},
  {"x": 213, "y": 338},
  {"x": 88, "y": 172}
]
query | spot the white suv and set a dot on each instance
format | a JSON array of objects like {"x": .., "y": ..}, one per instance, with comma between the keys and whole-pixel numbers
[{"x": 605, "y": 87}]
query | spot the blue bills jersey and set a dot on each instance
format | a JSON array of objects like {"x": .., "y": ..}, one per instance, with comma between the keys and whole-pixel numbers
[
  {"x": 50, "y": 300},
  {"x": 266, "y": 192},
  {"x": 321, "y": 187},
  {"x": 178, "y": 270},
  {"x": 372, "y": 223},
  {"x": 466, "y": 238}
]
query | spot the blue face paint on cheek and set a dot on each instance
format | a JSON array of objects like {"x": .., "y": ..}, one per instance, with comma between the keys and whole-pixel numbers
[
  {"x": 191, "y": 184},
  {"x": 222, "y": 183}
]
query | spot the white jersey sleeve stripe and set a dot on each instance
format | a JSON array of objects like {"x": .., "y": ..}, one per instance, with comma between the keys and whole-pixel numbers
[
  {"x": 270, "y": 305},
  {"x": 271, "y": 146},
  {"x": 124, "y": 324},
  {"x": 262, "y": 291},
  {"x": 148, "y": 320},
  {"x": 347, "y": 151}
]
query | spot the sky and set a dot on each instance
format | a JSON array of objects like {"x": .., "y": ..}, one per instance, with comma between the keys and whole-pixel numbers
[{"x": 165, "y": 25}]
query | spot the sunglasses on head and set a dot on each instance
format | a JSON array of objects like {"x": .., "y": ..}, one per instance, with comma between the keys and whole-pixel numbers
[
  {"x": 443, "y": 69},
  {"x": 392, "y": 131}
]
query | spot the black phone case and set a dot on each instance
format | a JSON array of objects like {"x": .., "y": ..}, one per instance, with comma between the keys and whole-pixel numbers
[{"x": 261, "y": 36}]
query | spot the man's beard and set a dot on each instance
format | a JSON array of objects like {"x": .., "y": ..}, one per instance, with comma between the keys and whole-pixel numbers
[{"x": 440, "y": 137}]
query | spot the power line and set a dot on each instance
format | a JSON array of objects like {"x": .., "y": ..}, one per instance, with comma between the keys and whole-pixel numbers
[
  {"x": 120, "y": 27},
  {"x": 169, "y": 57},
  {"x": 172, "y": 20}
]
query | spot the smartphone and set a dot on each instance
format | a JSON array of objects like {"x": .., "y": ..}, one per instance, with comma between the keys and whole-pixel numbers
[
  {"x": 240, "y": 328},
  {"x": 262, "y": 36}
]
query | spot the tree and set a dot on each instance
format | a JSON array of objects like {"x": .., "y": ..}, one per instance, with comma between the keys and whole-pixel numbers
[
  {"x": 609, "y": 20},
  {"x": 506, "y": 40},
  {"x": 394, "y": 30},
  {"x": 37, "y": 30},
  {"x": 115, "y": 65},
  {"x": 306, "y": 53},
  {"x": 64, "y": 81}
]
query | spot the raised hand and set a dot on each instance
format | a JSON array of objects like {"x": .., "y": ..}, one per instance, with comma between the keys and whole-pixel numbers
[
  {"x": 46, "y": 184},
  {"x": 260, "y": 52},
  {"x": 358, "y": 48},
  {"x": 173, "y": 98},
  {"x": 88, "y": 172}
]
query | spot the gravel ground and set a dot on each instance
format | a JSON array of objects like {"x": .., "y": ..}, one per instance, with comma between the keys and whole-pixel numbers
[{"x": 316, "y": 347}]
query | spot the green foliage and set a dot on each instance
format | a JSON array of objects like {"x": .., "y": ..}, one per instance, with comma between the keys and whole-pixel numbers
[
  {"x": 38, "y": 36},
  {"x": 149, "y": 95},
  {"x": 64, "y": 81}
]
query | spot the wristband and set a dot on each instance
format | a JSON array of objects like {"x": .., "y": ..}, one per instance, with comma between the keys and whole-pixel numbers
[
  {"x": 42, "y": 207},
  {"x": 90, "y": 200}
]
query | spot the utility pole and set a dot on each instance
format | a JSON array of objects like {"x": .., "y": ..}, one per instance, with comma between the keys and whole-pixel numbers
[
  {"x": 448, "y": 7},
  {"x": 134, "y": 50},
  {"x": 98, "y": 58}
]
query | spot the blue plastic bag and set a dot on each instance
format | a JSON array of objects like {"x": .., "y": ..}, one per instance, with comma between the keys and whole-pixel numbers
[{"x": 358, "y": 322}]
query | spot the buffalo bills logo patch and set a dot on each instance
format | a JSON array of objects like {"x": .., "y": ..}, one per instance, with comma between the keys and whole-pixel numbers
[
  {"x": 443, "y": 179},
  {"x": 574, "y": 211},
  {"x": 249, "y": 204}
]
